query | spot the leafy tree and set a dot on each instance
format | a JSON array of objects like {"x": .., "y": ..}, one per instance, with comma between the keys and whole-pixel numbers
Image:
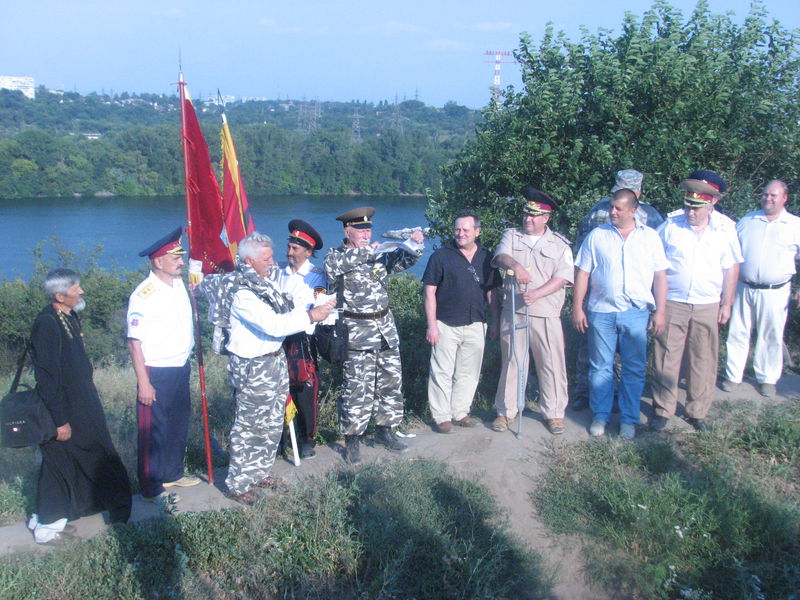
[{"x": 664, "y": 96}]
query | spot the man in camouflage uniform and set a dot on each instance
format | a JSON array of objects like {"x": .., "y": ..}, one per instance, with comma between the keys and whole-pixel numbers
[
  {"x": 258, "y": 317},
  {"x": 372, "y": 375}
]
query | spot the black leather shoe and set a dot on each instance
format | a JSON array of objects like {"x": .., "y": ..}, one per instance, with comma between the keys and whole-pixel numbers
[
  {"x": 658, "y": 423},
  {"x": 385, "y": 436},
  {"x": 307, "y": 450},
  {"x": 699, "y": 424},
  {"x": 352, "y": 450}
]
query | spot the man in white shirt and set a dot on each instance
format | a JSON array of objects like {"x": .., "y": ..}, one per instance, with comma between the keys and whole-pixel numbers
[
  {"x": 160, "y": 340},
  {"x": 622, "y": 266},
  {"x": 302, "y": 280},
  {"x": 770, "y": 240},
  {"x": 701, "y": 282},
  {"x": 260, "y": 317}
]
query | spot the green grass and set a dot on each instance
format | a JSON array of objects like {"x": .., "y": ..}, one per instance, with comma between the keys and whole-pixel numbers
[
  {"x": 675, "y": 517},
  {"x": 400, "y": 530}
]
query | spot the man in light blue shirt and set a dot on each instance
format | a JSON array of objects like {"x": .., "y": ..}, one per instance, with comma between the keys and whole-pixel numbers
[{"x": 622, "y": 267}]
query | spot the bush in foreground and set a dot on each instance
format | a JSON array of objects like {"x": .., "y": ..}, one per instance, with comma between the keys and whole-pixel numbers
[{"x": 400, "y": 530}]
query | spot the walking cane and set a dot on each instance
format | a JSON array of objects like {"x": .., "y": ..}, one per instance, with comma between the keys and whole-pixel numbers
[{"x": 522, "y": 374}]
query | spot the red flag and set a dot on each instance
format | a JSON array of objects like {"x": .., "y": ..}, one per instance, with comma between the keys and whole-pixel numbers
[
  {"x": 203, "y": 199},
  {"x": 238, "y": 220}
]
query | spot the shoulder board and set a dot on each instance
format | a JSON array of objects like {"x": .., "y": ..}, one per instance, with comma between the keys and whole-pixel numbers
[
  {"x": 675, "y": 213},
  {"x": 562, "y": 238},
  {"x": 147, "y": 290},
  {"x": 316, "y": 269}
]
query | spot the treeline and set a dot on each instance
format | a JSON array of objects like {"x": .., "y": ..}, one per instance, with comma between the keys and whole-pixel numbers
[{"x": 67, "y": 144}]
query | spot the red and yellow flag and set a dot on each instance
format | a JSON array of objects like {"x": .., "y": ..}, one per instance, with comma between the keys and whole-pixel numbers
[{"x": 238, "y": 220}]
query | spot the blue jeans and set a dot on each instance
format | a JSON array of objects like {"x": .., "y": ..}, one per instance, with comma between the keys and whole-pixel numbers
[{"x": 627, "y": 331}]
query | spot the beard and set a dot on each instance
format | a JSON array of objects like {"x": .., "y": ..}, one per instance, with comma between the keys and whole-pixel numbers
[{"x": 80, "y": 305}]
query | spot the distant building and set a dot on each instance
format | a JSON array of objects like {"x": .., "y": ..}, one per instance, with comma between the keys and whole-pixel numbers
[
  {"x": 92, "y": 136},
  {"x": 26, "y": 85},
  {"x": 220, "y": 100}
]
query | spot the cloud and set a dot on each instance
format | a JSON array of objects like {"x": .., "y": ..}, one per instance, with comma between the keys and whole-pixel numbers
[
  {"x": 447, "y": 45},
  {"x": 391, "y": 28}
]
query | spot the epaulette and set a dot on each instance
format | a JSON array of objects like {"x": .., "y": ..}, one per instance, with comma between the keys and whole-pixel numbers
[
  {"x": 316, "y": 269},
  {"x": 675, "y": 213},
  {"x": 147, "y": 290},
  {"x": 563, "y": 238}
]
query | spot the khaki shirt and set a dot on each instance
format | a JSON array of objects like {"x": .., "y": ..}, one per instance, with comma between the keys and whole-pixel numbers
[{"x": 550, "y": 257}]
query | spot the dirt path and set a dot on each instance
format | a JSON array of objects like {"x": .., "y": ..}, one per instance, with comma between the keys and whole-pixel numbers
[{"x": 508, "y": 466}]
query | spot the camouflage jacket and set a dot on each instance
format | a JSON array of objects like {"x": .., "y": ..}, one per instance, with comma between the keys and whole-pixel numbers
[{"x": 366, "y": 290}]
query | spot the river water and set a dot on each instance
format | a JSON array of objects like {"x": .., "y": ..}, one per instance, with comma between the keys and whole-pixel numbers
[{"x": 123, "y": 226}]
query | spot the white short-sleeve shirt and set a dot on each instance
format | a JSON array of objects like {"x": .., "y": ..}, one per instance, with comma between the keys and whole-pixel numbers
[
  {"x": 621, "y": 270},
  {"x": 160, "y": 316},
  {"x": 770, "y": 248},
  {"x": 696, "y": 266}
]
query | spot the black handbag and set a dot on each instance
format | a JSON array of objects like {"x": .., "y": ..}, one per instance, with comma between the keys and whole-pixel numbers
[
  {"x": 24, "y": 419},
  {"x": 333, "y": 340}
]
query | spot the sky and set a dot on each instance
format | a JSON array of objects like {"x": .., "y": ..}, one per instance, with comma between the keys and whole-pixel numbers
[{"x": 339, "y": 50}]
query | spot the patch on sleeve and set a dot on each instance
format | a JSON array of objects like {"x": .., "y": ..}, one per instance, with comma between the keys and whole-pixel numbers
[{"x": 134, "y": 319}]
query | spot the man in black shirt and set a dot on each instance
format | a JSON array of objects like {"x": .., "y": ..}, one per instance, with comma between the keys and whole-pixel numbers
[{"x": 458, "y": 284}]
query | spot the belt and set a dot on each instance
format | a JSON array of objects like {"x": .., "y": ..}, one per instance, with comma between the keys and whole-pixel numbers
[
  {"x": 370, "y": 316},
  {"x": 764, "y": 286}
]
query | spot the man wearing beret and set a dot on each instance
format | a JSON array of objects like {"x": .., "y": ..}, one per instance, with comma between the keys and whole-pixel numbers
[
  {"x": 372, "y": 373},
  {"x": 622, "y": 267},
  {"x": 770, "y": 240},
  {"x": 302, "y": 280},
  {"x": 542, "y": 263},
  {"x": 700, "y": 288},
  {"x": 598, "y": 215},
  {"x": 160, "y": 340}
]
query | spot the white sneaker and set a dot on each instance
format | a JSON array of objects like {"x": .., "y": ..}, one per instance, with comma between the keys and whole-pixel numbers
[
  {"x": 597, "y": 428},
  {"x": 627, "y": 431}
]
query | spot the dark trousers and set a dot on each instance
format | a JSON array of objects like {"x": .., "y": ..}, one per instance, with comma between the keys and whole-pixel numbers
[
  {"x": 163, "y": 428},
  {"x": 305, "y": 398},
  {"x": 301, "y": 358}
]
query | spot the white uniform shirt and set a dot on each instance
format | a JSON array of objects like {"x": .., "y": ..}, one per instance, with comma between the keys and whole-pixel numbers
[
  {"x": 728, "y": 225},
  {"x": 160, "y": 316},
  {"x": 621, "y": 270},
  {"x": 696, "y": 263},
  {"x": 300, "y": 285},
  {"x": 256, "y": 329},
  {"x": 770, "y": 248}
]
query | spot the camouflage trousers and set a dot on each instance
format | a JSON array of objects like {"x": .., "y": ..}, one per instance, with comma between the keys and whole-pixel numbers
[
  {"x": 261, "y": 385},
  {"x": 373, "y": 383}
]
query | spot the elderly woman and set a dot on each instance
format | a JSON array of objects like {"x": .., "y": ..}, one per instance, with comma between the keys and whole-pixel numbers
[{"x": 81, "y": 471}]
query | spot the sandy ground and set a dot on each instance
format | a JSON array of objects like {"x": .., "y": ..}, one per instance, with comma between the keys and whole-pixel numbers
[{"x": 507, "y": 465}]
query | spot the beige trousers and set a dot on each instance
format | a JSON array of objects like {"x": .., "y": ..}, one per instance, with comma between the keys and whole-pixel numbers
[
  {"x": 547, "y": 349},
  {"x": 693, "y": 329},
  {"x": 455, "y": 369}
]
